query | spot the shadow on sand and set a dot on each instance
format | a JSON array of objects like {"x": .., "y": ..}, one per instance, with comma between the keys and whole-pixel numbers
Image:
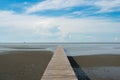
[{"x": 78, "y": 71}]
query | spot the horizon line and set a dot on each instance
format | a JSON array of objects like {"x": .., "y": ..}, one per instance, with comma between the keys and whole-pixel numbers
[{"x": 59, "y": 42}]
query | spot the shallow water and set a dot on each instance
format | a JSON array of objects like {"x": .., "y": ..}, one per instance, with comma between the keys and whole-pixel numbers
[
  {"x": 103, "y": 72},
  {"x": 70, "y": 49}
]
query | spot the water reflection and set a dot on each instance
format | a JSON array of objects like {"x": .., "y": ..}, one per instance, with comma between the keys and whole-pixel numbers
[{"x": 78, "y": 71}]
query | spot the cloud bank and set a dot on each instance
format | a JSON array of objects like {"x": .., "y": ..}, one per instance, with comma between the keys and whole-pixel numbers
[{"x": 56, "y": 26}]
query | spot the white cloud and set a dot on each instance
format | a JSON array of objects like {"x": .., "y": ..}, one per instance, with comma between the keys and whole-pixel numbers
[
  {"x": 37, "y": 25},
  {"x": 108, "y": 5},
  {"x": 102, "y": 5},
  {"x": 54, "y": 4},
  {"x": 77, "y": 13},
  {"x": 21, "y": 22},
  {"x": 117, "y": 39}
]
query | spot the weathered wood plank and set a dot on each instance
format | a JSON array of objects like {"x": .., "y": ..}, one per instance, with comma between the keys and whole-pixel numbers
[{"x": 59, "y": 67}]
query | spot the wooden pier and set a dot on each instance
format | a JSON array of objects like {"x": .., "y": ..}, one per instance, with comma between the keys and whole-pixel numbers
[{"x": 59, "y": 67}]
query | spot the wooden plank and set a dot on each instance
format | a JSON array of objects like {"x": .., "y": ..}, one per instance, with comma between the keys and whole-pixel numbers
[{"x": 59, "y": 67}]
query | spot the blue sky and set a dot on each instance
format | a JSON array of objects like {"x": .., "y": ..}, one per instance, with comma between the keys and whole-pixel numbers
[{"x": 59, "y": 20}]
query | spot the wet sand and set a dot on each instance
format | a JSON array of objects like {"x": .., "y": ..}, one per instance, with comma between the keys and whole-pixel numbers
[
  {"x": 100, "y": 67},
  {"x": 30, "y": 65},
  {"x": 98, "y": 60},
  {"x": 24, "y": 65}
]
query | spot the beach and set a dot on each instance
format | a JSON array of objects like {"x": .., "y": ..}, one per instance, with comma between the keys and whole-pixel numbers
[
  {"x": 100, "y": 67},
  {"x": 89, "y": 61},
  {"x": 24, "y": 65}
]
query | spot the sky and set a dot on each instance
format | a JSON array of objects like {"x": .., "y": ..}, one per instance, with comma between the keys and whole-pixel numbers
[{"x": 59, "y": 20}]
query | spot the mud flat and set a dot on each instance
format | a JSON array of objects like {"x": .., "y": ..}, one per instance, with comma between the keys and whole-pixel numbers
[
  {"x": 100, "y": 67},
  {"x": 23, "y": 65}
]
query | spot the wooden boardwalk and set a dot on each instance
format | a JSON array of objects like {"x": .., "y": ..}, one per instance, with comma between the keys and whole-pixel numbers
[{"x": 59, "y": 67}]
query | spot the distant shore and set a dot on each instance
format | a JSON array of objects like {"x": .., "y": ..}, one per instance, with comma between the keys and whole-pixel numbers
[
  {"x": 24, "y": 65},
  {"x": 60, "y": 43}
]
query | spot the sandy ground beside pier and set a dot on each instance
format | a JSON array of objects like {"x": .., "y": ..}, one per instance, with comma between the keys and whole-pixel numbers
[
  {"x": 24, "y": 65},
  {"x": 100, "y": 67}
]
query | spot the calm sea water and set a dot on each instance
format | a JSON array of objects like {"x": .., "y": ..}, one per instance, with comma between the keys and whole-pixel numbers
[{"x": 73, "y": 49}]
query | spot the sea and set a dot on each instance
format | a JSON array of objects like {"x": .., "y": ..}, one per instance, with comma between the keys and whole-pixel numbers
[{"x": 71, "y": 49}]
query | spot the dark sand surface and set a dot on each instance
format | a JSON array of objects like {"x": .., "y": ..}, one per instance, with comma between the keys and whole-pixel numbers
[
  {"x": 24, "y": 65},
  {"x": 100, "y": 67},
  {"x": 98, "y": 60}
]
